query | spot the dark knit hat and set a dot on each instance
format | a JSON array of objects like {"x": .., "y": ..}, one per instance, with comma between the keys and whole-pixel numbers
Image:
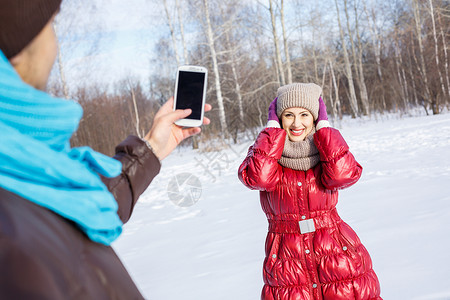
[
  {"x": 21, "y": 21},
  {"x": 304, "y": 95}
]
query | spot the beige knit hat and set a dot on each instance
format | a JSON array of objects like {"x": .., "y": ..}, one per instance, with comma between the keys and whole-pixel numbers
[{"x": 304, "y": 95}]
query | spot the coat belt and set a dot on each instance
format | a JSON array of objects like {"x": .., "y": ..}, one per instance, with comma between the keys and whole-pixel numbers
[{"x": 317, "y": 220}]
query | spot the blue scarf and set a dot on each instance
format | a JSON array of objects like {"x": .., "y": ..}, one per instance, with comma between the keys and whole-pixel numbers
[{"x": 37, "y": 163}]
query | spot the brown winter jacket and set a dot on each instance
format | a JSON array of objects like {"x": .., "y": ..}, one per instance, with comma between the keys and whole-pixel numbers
[{"x": 44, "y": 256}]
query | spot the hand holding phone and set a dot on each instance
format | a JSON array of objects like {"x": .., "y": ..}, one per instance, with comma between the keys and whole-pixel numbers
[
  {"x": 190, "y": 92},
  {"x": 164, "y": 136}
]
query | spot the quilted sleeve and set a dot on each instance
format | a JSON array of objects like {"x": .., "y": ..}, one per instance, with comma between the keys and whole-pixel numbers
[
  {"x": 339, "y": 167},
  {"x": 260, "y": 169},
  {"x": 139, "y": 167}
]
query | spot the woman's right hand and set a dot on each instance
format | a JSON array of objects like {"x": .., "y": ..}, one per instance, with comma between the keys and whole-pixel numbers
[{"x": 272, "y": 118}]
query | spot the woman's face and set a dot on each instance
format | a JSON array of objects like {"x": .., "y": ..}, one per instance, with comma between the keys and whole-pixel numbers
[{"x": 298, "y": 123}]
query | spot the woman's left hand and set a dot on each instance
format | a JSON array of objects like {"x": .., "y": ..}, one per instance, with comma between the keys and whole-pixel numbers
[
  {"x": 322, "y": 111},
  {"x": 322, "y": 118}
]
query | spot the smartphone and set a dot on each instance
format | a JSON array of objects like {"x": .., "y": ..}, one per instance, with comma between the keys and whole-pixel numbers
[{"x": 190, "y": 92}]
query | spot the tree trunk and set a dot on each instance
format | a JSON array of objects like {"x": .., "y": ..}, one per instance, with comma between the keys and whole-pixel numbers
[
  {"x": 422, "y": 68},
  {"x": 376, "y": 43},
  {"x": 60, "y": 64},
  {"x": 181, "y": 23},
  {"x": 277, "y": 47},
  {"x": 237, "y": 85},
  {"x": 222, "y": 118},
  {"x": 403, "y": 72},
  {"x": 337, "y": 104},
  {"x": 436, "y": 52},
  {"x": 411, "y": 75},
  {"x": 136, "y": 113},
  {"x": 348, "y": 69},
  {"x": 316, "y": 73},
  {"x": 324, "y": 74},
  {"x": 286, "y": 47},
  {"x": 398, "y": 58},
  {"x": 172, "y": 33},
  {"x": 333, "y": 112},
  {"x": 359, "y": 65},
  {"x": 277, "y": 69},
  {"x": 444, "y": 44}
]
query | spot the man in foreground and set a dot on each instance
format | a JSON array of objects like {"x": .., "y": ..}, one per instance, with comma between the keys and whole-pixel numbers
[{"x": 61, "y": 208}]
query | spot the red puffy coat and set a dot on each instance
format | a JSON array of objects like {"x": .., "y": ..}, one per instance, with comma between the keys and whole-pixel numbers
[{"x": 325, "y": 258}]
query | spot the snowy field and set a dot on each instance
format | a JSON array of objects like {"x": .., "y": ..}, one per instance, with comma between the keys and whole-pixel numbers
[{"x": 214, "y": 249}]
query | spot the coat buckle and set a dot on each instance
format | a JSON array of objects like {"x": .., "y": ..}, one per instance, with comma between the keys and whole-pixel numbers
[{"x": 307, "y": 226}]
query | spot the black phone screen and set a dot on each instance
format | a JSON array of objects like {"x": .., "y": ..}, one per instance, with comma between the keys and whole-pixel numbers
[{"x": 190, "y": 93}]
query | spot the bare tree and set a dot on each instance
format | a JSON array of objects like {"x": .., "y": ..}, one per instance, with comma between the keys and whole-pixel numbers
[
  {"x": 422, "y": 68},
  {"x": 376, "y": 44},
  {"x": 62, "y": 72},
  {"x": 181, "y": 24},
  {"x": 277, "y": 47},
  {"x": 406, "y": 42},
  {"x": 286, "y": 45},
  {"x": 436, "y": 49},
  {"x": 237, "y": 84},
  {"x": 172, "y": 32},
  {"x": 69, "y": 28},
  {"x": 348, "y": 69},
  {"x": 336, "y": 105},
  {"x": 444, "y": 46},
  {"x": 210, "y": 36},
  {"x": 135, "y": 108},
  {"x": 314, "y": 54},
  {"x": 411, "y": 75},
  {"x": 358, "y": 61},
  {"x": 400, "y": 69}
]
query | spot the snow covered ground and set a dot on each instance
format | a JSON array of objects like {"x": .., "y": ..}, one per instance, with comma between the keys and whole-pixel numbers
[{"x": 214, "y": 249}]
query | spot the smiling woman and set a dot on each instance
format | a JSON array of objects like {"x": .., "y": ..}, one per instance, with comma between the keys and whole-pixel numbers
[
  {"x": 61, "y": 207},
  {"x": 298, "y": 123},
  {"x": 298, "y": 169}
]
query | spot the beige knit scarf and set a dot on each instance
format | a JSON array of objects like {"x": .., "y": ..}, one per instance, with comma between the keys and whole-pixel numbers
[{"x": 301, "y": 155}]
